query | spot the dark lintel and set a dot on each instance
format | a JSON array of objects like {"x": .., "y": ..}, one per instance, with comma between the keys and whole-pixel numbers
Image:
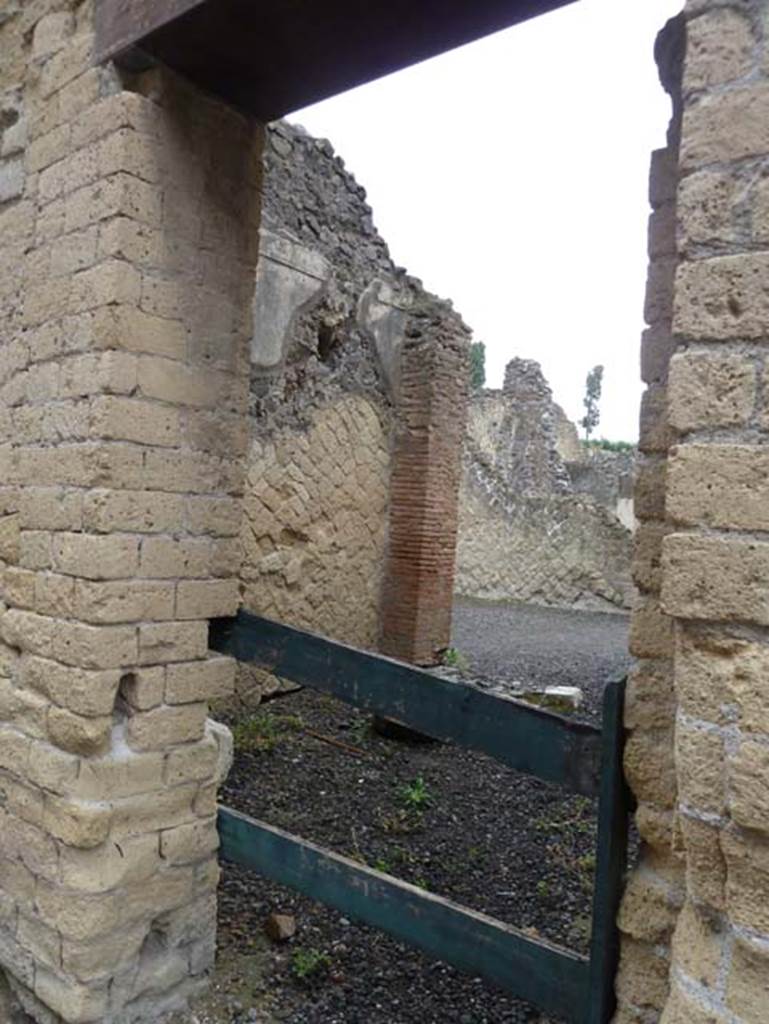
[{"x": 269, "y": 57}]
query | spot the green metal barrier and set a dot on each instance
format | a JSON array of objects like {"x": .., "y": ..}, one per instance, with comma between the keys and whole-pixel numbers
[{"x": 576, "y": 755}]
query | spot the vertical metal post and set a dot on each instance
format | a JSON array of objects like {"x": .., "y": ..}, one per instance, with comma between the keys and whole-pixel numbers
[{"x": 611, "y": 857}]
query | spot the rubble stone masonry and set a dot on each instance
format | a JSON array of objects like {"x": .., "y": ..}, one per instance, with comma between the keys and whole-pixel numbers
[
  {"x": 128, "y": 221},
  {"x": 694, "y": 917}
]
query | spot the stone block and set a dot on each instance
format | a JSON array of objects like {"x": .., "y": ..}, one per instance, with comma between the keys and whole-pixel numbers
[
  {"x": 89, "y": 693},
  {"x": 188, "y": 844},
  {"x": 107, "y": 868},
  {"x": 651, "y": 631},
  {"x": 707, "y": 209},
  {"x": 51, "y": 33},
  {"x": 166, "y": 726},
  {"x": 103, "y": 957},
  {"x": 120, "y": 774},
  {"x": 144, "y": 688},
  {"x": 172, "y": 641},
  {"x": 650, "y": 767},
  {"x": 647, "y": 555},
  {"x": 663, "y": 177},
  {"x": 698, "y": 945},
  {"x": 712, "y": 578},
  {"x": 167, "y": 809},
  {"x": 655, "y": 435},
  {"x": 169, "y": 557},
  {"x": 124, "y": 600},
  {"x": 79, "y": 823},
  {"x": 719, "y": 485},
  {"x": 115, "y": 418},
  {"x": 722, "y": 298},
  {"x": 705, "y": 863},
  {"x": 193, "y": 762},
  {"x": 726, "y": 126},
  {"x": 699, "y": 754},
  {"x": 207, "y": 599},
  {"x": 208, "y": 680},
  {"x": 747, "y": 879},
  {"x": 52, "y": 769},
  {"x": 747, "y": 985},
  {"x": 108, "y": 511},
  {"x": 748, "y": 770},
  {"x": 650, "y": 698},
  {"x": 650, "y": 487},
  {"x": 78, "y": 735},
  {"x": 658, "y": 305},
  {"x": 710, "y": 390},
  {"x": 96, "y": 557},
  {"x": 649, "y": 910},
  {"x": 705, "y": 664},
  {"x": 657, "y": 346}
]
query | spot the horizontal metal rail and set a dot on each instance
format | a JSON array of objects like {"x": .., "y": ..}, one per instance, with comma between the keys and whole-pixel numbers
[
  {"x": 555, "y": 979},
  {"x": 522, "y": 736}
]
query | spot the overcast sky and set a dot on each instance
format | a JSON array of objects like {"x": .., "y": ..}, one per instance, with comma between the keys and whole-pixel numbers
[{"x": 511, "y": 177}]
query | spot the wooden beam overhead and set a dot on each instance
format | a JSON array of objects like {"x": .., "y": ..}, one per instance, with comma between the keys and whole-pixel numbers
[{"x": 270, "y": 57}]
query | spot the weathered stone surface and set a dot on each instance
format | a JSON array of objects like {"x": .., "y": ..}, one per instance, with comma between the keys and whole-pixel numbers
[
  {"x": 716, "y": 579},
  {"x": 705, "y": 390},
  {"x": 720, "y": 49},
  {"x": 722, "y": 298},
  {"x": 722, "y": 486},
  {"x": 726, "y": 126}
]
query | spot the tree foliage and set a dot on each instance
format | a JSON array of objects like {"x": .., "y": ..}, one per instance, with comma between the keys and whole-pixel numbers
[
  {"x": 592, "y": 397},
  {"x": 477, "y": 365}
]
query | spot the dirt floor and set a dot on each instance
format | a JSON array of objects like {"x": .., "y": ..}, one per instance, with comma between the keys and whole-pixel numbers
[{"x": 453, "y": 822}]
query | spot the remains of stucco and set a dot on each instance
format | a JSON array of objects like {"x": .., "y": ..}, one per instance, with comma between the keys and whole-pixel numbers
[
  {"x": 128, "y": 240},
  {"x": 525, "y": 533}
]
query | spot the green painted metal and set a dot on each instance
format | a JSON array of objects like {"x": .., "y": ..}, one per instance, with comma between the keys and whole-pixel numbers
[
  {"x": 547, "y": 975},
  {"x": 611, "y": 857},
  {"x": 529, "y": 739},
  {"x": 524, "y": 737}
]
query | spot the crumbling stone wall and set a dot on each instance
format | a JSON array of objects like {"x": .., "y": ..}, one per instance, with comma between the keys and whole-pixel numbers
[
  {"x": 608, "y": 477},
  {"x": 695, "y": 913},
  {"x": 128, "y": 241},
  {"x": 332, "y": 384},
  {"x": 525, "y": 534}
]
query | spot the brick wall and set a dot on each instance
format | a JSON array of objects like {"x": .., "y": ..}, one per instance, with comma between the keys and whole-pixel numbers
[
  {"x": 424, "y": 488},
  {"x": 127, "y": 241}
]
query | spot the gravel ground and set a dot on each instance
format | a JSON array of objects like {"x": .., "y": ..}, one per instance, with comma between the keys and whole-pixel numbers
[{"x": 454, "y": 822}]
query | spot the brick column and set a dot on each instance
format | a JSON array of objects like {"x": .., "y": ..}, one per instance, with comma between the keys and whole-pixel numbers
[
  {"x": 123, "y": 393},
  {"x": 424, "y": 489}
]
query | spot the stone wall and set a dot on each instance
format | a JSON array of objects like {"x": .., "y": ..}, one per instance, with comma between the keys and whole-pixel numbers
[
  {"x": 695, "y": 914},
  {"x": 128, "y": 241},
  {"x": 608, "y": 477},
  {"x": 525, "y": 533}
]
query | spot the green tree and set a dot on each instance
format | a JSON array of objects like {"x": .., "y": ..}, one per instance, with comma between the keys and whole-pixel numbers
[
  {"x": 592, "y": 397},
  {"x": 477, "y": 365}
]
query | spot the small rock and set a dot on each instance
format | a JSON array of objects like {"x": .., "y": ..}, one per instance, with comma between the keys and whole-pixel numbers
[{"x": 280, "y": 927}]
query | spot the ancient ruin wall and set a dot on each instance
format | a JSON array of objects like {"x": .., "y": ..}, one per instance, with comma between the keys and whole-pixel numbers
[
  {"x": 128, "y": 240},
  {"x": 331, "y": 387},
  {"x": 695, "y": 913},
  {"x": 524, "y": 533},
  {"x": 321, "y": 413}
]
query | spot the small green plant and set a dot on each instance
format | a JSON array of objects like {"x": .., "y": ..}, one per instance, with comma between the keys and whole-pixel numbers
[
  {"x": 543, "y": 889},
  {"x": 262, "y": 732},
  {"x": 453, "y": 658},
  {"x": 309, "y": 963},
  {"x": 415, "y": 795},
  {"x": 609, "y": 446},
  {"x": 383, "y": 865}
]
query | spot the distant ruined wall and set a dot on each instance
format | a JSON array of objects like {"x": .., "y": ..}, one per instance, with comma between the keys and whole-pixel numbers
[
  {"x": 608, "y": 477},
  {"x": 524, "y": 533}
]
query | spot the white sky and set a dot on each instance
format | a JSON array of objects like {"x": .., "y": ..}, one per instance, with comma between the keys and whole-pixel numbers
[{"x": 511, "y": 177}]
